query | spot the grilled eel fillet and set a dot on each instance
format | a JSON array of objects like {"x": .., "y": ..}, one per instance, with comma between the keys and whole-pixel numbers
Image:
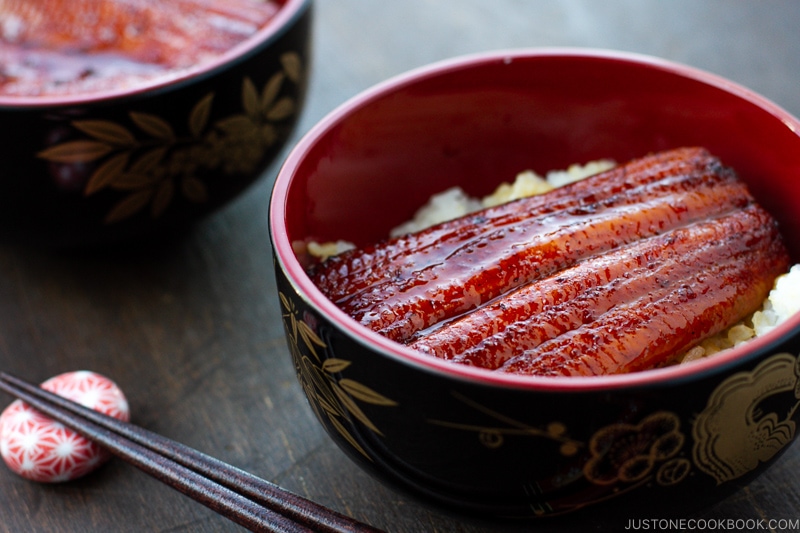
[{"x": 615, "y": 273}]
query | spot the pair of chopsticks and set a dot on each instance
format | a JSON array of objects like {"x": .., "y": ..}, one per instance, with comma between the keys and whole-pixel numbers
[{"x": 249, "y": 501}]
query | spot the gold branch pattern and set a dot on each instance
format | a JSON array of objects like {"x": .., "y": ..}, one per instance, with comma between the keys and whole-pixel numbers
[
  {"x": 150, "y": 163},
  {"x": 332, "y": 398}
]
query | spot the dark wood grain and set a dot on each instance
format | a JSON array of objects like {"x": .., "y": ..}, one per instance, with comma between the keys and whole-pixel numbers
[
  {"x": 190, "y": 328},
  {"x": 243, "y": 498}
]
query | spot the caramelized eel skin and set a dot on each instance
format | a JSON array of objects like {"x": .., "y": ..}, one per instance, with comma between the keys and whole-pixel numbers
[
  {"x": 609, "y": 313},
  {"x": 612, "y": 274}
]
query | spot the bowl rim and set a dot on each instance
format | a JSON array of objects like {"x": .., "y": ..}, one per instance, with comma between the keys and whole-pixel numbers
[
  {"x": 303, "y": 286},
  {"x": 289, "y": 12}
]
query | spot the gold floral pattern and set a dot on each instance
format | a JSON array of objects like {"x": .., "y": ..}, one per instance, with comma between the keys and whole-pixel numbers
[
  {"x": 624, "y": 453},
  {"x": 333, "y": 399},
  {"x": 628, "y": 453},
  {"x": 621, "y": 456},
  {"x": 149, "y": 162}
]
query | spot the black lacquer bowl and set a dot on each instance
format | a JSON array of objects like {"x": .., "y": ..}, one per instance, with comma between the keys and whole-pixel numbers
[
  {"x": 671, "y": 439},
  {"x": 153, "y": 158}
]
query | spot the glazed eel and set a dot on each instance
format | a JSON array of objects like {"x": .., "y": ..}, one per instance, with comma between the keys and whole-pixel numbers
[{"x": 615, "y": 273}]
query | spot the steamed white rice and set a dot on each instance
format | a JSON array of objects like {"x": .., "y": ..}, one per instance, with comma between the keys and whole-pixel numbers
[
  {"x": 783, "y": 300},
  {"x": 454, "y": 202}
]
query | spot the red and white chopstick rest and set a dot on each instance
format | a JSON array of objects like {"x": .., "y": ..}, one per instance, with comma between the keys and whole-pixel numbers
[{"x": 41, "y": 449}]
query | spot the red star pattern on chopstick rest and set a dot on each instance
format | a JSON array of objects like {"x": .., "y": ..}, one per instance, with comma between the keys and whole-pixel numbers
[{"x": 41, "y": 449}]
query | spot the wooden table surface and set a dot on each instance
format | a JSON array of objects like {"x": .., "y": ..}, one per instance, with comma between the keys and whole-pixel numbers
[{"x": 191, "y": 329}]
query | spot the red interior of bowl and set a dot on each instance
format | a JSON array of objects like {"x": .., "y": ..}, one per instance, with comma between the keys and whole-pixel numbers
[{"x": 478, "y": 121}]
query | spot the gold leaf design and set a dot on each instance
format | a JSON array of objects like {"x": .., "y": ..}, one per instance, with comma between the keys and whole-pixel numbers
[
  {"x": 282, "y": 109},
  {"x": 322, "y": 384},
  {"x": 332, "y": 399},
  {"x": 292, "y": 65},
  {"x": 271, "y": 90},
  {"x": 250, "y": 101},
  {"x": 353, "y": 408},
  {"x": 151, "y": 162},
  {"x": 335, "y": 365},
  {"x": 153, "y": 125},
  {"x": 236, "y": 125},
  {"x": 364, "y": 393},
  {"x": 76, "y": 152},
  {"x": 106, "y": 131},
  {"x": 107, "y": 172},
  {"x": 287, "y": 303},
  {"x": 310, "y": 337},
  {"x": 349, "y": 438},
  {"x": 198, "y": 119},
  {"x": 129, "y": 206}
]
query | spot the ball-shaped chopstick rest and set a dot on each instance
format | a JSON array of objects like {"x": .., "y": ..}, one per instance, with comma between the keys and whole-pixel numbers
[{"x": 41, "y": 449}]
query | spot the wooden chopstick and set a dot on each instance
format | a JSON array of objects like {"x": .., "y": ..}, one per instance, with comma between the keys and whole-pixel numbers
[{"x": 239, "y": 496}]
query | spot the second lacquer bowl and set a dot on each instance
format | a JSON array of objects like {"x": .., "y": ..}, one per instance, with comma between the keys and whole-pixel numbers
[{"x": 148, "y": 158}]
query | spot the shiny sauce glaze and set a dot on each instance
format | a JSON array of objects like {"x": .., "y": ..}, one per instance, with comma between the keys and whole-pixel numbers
[{"x": 615, "y": 273}]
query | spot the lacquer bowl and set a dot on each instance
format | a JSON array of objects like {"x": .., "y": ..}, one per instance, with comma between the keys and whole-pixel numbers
[
  {"x": 672, "y": 439},
  {"x": 151, "y": 159}
]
